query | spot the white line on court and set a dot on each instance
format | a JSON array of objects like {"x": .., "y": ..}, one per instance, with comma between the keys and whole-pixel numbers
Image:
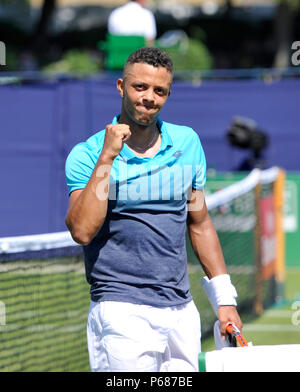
[
  {"x": 270, "y": 328},
  {"x": 277, "y": 313},
  {"x": 38, "y": 328}
]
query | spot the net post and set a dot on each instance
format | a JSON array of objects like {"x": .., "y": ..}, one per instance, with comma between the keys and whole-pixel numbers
[
  {"x": 279, "y": 186},
  {"x": 258, "y": 302},
  {"x": 202, "y": 362}
]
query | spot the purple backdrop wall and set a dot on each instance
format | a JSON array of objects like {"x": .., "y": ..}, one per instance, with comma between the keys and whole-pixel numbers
[{"x": 41, "y": 122}]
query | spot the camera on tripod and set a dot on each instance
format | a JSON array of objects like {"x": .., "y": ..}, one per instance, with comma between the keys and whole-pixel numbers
[{"x": 244, "y": 133}]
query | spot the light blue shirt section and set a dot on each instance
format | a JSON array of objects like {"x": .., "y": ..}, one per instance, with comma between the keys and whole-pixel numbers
[{"x": 179, "y": 164}]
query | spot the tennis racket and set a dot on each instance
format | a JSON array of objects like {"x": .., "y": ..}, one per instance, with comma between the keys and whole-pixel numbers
[{"x": 235, "y": 336}]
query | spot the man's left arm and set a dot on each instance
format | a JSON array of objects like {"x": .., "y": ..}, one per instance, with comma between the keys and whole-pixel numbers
[{"x": 207, "y": 248}]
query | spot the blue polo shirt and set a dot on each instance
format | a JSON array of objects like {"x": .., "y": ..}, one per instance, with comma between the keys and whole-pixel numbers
[{"x": 139, "y": 255}]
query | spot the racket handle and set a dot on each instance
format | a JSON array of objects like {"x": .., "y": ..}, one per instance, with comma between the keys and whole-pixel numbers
[{"x": 235, "y": 332}]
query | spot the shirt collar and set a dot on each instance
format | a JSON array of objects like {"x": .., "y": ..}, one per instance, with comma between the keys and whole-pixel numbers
[{"x": 166, "y": 140}]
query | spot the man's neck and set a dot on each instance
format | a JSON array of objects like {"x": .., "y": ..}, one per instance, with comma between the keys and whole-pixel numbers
[
  {"x": 143, "y": 138},
  {"x": 139, "y": 133}
]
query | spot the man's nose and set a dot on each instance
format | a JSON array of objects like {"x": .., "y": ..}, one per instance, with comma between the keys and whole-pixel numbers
[{"x": 149, "y": 95}]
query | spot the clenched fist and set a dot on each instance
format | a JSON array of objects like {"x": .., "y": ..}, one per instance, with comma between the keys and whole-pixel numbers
[{"x": 115, "y": 137}]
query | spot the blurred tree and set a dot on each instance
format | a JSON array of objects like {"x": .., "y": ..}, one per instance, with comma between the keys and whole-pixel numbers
[
  {"x": 283, "y": 30},
  {"x": 194, "y": 57},
  {"x": 39, "y": 37},
  {"x": 14, "y": 2},
  {"x": 188, "y": 53},
  {"x": 77, "y": 62},
  {"x": 12, "y": 60}
]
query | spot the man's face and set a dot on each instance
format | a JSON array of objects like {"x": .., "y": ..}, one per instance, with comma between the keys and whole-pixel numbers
[
  {"x": 145, "y": 90},
  {"x": 143, "y": 3}
]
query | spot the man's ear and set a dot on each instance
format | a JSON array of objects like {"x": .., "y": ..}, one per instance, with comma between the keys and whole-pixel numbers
[{"x": 120, "y": 86}]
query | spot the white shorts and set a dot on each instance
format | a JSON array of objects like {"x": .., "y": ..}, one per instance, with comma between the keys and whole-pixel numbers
[{"x": 127, "y": 337}]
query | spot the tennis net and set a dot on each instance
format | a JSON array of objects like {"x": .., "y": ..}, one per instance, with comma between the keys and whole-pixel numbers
[
  {"x": 248, "y": 218},
  {"x": 44, "y": 304},
  {"x": 44, "y": 296}
]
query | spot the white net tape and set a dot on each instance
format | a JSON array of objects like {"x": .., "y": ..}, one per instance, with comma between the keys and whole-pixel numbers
[
  {"x": 241, "y": 187},
  {"x": 36, "y": 242}
]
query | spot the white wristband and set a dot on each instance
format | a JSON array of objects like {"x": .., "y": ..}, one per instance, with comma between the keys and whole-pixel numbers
[{"x": 219, "y": 291}]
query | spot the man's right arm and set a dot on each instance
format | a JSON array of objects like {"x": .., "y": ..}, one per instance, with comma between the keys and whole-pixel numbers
[{"x": 88, "y": 207}]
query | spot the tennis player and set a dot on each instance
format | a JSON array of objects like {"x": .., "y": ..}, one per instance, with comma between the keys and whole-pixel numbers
[{"x": 134, "y": 189}]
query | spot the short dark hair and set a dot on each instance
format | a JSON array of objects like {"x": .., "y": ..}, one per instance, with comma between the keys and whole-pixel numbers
[{"x": 152, "y": 56}]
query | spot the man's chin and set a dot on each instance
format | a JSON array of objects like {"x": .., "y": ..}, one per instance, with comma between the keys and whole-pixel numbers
[{"x": 145, "y": 120}]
